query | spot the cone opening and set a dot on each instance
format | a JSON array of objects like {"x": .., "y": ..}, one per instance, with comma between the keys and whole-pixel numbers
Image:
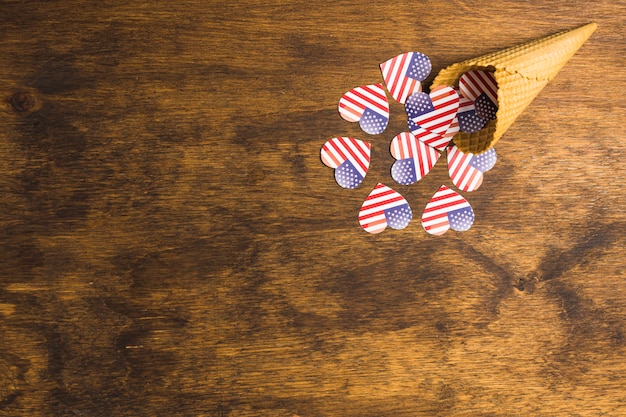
[{"x": 471, "y": 88}]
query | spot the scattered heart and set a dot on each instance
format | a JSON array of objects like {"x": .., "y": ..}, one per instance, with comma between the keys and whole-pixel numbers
[
  {"x": 350, "y": 157},
  {"x": 367, "y": 105},
  {"x": 466, "y": 169},
  {"x": 404, "y": 73},
  {"x": 447, "y": 210},
  {"x": 384, "y": 207},
  {"x": 414, "y": 158}
]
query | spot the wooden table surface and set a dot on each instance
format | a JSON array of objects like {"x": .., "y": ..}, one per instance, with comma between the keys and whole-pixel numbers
[{"x": 171, "y": 244}]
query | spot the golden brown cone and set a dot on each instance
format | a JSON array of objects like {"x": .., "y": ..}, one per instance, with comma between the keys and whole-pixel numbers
[{"x": 521, "y": 72}]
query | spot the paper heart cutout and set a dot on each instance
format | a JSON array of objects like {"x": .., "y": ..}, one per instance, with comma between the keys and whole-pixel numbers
[
  {"x": 469, "y": 121},
  {"x": 414, "y": 158},
  {"x": 466, "y": 169},
  {"x": 403, "y": 74},
  {"x": 384, "y": 207},
  {"x": 350, "y": 157},
  {"x": 367, "y": 105},
  {"x": 432, "y": 115},
  {"x": 447, "y": 210}
]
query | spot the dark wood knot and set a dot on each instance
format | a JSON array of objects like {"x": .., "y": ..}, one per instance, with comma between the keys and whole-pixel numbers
[
  {"x": 526, "y": 284},
  {"x": 21, "y": 101}
]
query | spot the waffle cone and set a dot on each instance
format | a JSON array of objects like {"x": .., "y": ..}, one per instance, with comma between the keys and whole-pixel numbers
[{"x": 521, "y": 72}]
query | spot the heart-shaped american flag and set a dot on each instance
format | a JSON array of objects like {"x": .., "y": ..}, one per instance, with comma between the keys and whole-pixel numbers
[
  {"x": 384, "y": 207},
  {"x": 469, "y": 121},
  {"x": 447, "y": 210},
  {"x": 350, "y": 157},
  {"x": 414, "y": 158},
  {"x": 367, "y": 105},
  {"x": 404, "y": 73}
]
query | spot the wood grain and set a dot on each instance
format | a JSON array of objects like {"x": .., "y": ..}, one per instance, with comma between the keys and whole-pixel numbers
[{"x": 171, "y": 244}]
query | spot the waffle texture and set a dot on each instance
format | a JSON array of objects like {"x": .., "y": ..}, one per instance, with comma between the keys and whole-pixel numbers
[{"x": 521, "y": 72}]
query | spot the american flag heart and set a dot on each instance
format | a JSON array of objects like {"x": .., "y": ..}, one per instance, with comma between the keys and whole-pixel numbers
[
  {"x": 350, "y": 157},
  {"x": 432, "y": 115},
  {"x": 469, "y": 121},
  {"x": 384, "y": 207},
  {"x": 481, "y": 87},
  {"x": 447, "y": 210},
  {"x": 367, "y": 105},
  {"x": 404, "y": 73},
  {"x": 414, "y": 158},
  {"x": 466, "y": 169}
]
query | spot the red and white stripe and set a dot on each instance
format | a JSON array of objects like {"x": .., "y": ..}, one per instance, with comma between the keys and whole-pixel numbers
[
  {"x": 465, "y": 104},
  {"x": 435, "y": 217},
  {"x": 443, "y": 122},
  {"x": 405, "y": 145},
  {"x": 431, "y": 139},
  {"x": 372, "y": 215},
  {"x": 474, "y": 83},
  {"x": 452, "y": 130},
  {"x": 446, "y": 103},
  {"x": 454, "y": 126},
  {"x": 464, "y": 176},
  {"x": 354, "y": 102},
  {"x": 394, "y": 73},
  {"x": 336, "y": 150}
]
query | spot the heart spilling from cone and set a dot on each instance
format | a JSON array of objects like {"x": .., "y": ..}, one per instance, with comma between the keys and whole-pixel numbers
[
  {"x": 520, "y": 72},
  {"x": 469, "y": 107}
]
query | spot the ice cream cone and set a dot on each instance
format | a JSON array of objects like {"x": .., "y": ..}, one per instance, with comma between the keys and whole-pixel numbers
[{"x": 521, "y": 72}]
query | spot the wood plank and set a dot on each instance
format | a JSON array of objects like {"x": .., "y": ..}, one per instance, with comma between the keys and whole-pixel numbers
[{"x": 170, "y": 243}]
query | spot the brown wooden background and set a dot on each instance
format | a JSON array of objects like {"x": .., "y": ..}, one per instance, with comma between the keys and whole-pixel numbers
[{"x": 171, "y": 244}]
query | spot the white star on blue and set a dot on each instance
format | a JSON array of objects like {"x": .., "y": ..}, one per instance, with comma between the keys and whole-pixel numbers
[
  {"x": 372, "y": 122},
  {"x": 485, "y": 108},
  {"x": 484, "y": 161},
  {"x": 399, "y": 217},
  {"x": 413, "y": 127},
  {"x": 347, "y": 176},
  {"x": 461, "y": 219},
  {"x": 420, "y": 67},
  {"x": 470, "y": 122},
  {"x": 418, "y": 104},
  {"x": 403, "y": 171}
]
